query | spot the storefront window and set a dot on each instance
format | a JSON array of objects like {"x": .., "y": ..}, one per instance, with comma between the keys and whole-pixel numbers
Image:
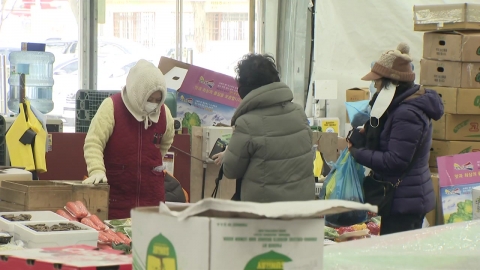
[
  {"x": 217, "y": 32},
  {"x": 54, "y": 22}
]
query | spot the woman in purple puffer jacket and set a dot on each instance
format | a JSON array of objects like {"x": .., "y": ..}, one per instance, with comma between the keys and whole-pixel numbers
[{"x": 400, "y": 119}]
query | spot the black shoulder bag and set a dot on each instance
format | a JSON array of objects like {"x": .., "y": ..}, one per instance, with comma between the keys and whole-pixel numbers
[
  {"x": 238, "y": 186},
  {"x": 380, "y": 193}
]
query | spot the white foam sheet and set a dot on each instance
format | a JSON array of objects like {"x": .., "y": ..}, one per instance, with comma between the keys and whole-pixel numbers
[
  {"x": 454, "y": 246},
  {"x": 349, "y": 35}
]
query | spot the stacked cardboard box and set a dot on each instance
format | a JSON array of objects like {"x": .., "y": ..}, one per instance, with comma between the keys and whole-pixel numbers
[{"x": 451, "y": 66}]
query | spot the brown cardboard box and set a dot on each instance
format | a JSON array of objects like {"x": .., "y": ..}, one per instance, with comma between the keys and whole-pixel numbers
[
  {"x": 439, "y": 129},
  {"x": 451, "y": 46},
  {"x": 446, "y": 17},
  {"x": 357, "y": 94},
  {"x": 342, "y": 144},
  {"x": 470, "y": 75},
  {"x": 447, "y": 148},
  {"x": 457, "y": 127},
  {"x": 327, "y": 144},
  {"x": 432, "y": 216},
  {"x": 459, "y": 100},
  {"x": 440, "y": 73}
]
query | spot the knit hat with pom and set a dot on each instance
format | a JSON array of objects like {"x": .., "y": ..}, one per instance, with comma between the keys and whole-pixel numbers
[{"x": 394, "y": 64}]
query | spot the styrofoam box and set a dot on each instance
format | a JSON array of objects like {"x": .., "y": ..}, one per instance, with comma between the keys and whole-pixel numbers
[
  {"x": 37, "y": 216},
  {"x": 33, "y": 239}
]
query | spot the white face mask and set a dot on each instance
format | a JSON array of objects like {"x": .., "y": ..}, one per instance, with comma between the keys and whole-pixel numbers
[{"x": 150, "y": 107}]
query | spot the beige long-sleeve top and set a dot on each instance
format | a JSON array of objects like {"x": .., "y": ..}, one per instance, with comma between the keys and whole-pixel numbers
[{"x": 101, "y": 128}]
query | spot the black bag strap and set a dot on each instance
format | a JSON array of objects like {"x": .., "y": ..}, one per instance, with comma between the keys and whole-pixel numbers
[
  {"x": 415, "y": 155},
  {"x": 217, "y": 182}
]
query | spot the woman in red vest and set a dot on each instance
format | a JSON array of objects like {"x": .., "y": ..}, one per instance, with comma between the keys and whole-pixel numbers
[{"x": 127, "y": 140}]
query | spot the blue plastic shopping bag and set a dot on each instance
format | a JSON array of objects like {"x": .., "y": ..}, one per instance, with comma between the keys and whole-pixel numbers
[{"x": 345, "y": 182}]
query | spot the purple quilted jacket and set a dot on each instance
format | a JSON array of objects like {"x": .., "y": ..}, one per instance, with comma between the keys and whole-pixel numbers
[{"x": 407, "y": 118}]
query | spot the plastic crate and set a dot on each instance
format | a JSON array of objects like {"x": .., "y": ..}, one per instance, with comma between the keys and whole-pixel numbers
[
  {"x": 86, "y": 106},
  {"x": 33, "y": 239},
  {"x": 37, "y": 216}
]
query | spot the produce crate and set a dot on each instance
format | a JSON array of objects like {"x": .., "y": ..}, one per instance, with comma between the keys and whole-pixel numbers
[
  {"x": 34, "y": 239},
  {"x": 37, "y": 216},
  {"x": 53, "y": 195}
]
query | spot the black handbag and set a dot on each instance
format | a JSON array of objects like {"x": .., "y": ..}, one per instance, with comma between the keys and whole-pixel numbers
[{"x": 380, "y": 193}]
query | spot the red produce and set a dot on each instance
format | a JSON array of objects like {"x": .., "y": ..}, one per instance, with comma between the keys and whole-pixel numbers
[
  {"x": 115, "y": 237},
  {"x": 66, "y": 215},
  {"x": 89, "y": 223},
  {"x": 125, "y": 238},
  {"x": 103, "y": 238},
  {"x": 73, "y": 209},
  {"x": 98, "y": 222},
  {"x": 343, "y": 230},
  {"x": 83, "y": 210},
  {"x": 373, "y": 228}
]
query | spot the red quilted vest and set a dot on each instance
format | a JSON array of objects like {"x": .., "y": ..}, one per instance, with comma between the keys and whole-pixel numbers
[{"x": 131, "y": 154}]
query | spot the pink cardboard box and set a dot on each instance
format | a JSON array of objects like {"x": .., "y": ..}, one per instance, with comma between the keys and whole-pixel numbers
[{"x": 462, "y": 169}]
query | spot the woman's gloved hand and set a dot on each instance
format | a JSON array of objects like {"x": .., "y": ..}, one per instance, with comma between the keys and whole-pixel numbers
[
  {"x": 356, "y": 138},
  {"x": 98, "y": 178}
]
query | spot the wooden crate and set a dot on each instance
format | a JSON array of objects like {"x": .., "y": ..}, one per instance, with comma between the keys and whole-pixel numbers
[{"x": 53, "y": 195}]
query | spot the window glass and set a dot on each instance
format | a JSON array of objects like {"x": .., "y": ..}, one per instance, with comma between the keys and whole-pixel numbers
[
  {"x": 217, "y": 32},
  {"x": 133, "y": 30},
  {"x": 52, "y": 22}
]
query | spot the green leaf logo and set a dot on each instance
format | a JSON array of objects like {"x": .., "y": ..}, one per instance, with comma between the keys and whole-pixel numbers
[
  {"x": 477, "y": 78},
  {"x": 476, "y": 102},
  {"x": 478, "y": 51},
  {"x": 466, "y": 150},
  {"x": 161, "y": 254},
  {"x": 461, "y": 125},
  {"x": 268, "y": 261}
]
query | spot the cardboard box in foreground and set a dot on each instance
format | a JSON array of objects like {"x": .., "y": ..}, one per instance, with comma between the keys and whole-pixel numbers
[{"x": 219, "y": 234}]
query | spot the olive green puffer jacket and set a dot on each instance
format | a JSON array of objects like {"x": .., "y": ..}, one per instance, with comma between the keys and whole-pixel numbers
[{"x": 271, "y": 147}]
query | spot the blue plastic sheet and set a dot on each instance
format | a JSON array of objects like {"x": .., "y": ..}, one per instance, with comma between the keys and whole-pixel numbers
[{"x": 358, "y": 112}]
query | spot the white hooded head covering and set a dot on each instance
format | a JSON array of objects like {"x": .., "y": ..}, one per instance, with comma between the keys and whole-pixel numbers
[{"x": 143, "y": 80}]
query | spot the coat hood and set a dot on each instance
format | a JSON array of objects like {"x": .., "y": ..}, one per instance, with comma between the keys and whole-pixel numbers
[
  {"x": 263, "y": 97},
  {"x": 426, "y": 100},
  {"x": 143, "y": 80}
]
